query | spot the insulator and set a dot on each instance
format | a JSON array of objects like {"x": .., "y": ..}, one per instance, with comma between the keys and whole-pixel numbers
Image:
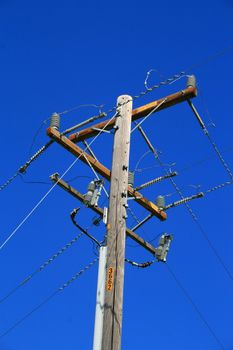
[
  {"x": 160, "y": 202},
  {"x": 55, "y": 121},
  {"x": 90, "y": 191},
  {"x": 163, "y": 248},
  {"x": 191, "y": 81},
  {"x": 158, "y": 179},
  {"x": 93, "y": 193},
  {"x": 91, "y": 186},
  {"x": 184, "y": 200},
  {"x": 131, "y": 178}
]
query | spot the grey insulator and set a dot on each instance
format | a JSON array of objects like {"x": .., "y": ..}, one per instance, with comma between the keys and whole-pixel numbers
[
  {"x": 91, "y": 186},
  {"x": 191, "y": 81},
  {"x": 55, "y": 121},
  {"x": 131, "y": 179},
  {"x": 89, "y": 195},
  {"x": 160, "y": 202}
]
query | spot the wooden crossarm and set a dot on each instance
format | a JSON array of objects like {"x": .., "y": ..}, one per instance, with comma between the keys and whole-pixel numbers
[
  {"x": 138, "y": 113},
  {"x": 103, "y": 171},
  {"x": 76, "y": 194}
]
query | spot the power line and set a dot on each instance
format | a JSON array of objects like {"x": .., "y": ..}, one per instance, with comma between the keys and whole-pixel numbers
[
  {"x": 72, "y": 216},
  {"x": 23, "y": 168},
  {"x": 204, "y": 234},
  {"x": 191, "y": 212},
  {"x": 217, "y": 187},
  {"x": 142, "y": 93},
  {"x": 138, "y": 224},
  {"x": 210, "y": 58},
  {"x": 140, "y": 265},
  {"x": 196, "y": 308},
  {"x": 93, "y": 170},
  {"x": 99, "y": 107},
  {"x": 41, "y": 150},
  {"x": 148, "y": 115},
  {"x": 50, "y": 190},
  {"x": 9, "y": 181},
  {"x": 212, "y": 189},
  {"x": 51, "y": 296},
  {"x": 207, "y": 134},
  {"x": 42, "y": 267}
]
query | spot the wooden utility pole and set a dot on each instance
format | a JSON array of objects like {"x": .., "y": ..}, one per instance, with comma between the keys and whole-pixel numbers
[
  {"x": 116, "y": 227},
  {"x": 108, "y": 337}
]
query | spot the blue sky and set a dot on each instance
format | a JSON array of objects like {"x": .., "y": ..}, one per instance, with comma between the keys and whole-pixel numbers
[{"x": 57, "y": 55}]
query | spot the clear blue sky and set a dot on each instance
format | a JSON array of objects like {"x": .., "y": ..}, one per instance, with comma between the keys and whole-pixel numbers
[{"x": 60, "y": 54}]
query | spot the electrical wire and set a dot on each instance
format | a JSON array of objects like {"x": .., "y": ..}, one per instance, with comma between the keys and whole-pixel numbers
[
  {"x": 34, "y": 182},
  {"x": 203, "y": 232},
  {"x": 218, "y": 187},
  {"x": 188, "y": 167},
  {"x": 72, "y": 216},
  {"x": 212, "y": 142},
  {"x": 93, "y": 170},
  {"x": 51, "y": 296},
  {"x": 194, "y": 305},
  {"x": 41, "y": 268},
  {"x": 139, "y": 224},
  {"x": 49, "y": 191},
  {"x": 149, "y": 114},
  {"x": 61, "y": 114},
  {"x": 23, "y": 168},
  {"x": 41, "y": 150},
  {"x": 143, "y": 93},
  {"x": 191, "y": 212},
  {"x": 141, "y": 265},
  {"x": 148, "y": 75},
  {"x": 210, "y": 58},
  {"x": 99, "y": 107}
]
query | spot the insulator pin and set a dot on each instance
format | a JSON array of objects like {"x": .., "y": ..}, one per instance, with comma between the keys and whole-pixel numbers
[{"x": 55, "y": 121}]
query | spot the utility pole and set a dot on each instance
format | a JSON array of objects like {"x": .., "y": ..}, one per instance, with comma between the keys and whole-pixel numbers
[
  {"x": 99, "y": 311},
  {"x": 116, "y": 227},
  {"x": 108, "y": 325}
]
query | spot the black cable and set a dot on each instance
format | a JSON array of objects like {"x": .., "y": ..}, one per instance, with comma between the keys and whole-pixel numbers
[
  {"x": 72, "y": 216},
  {"x": 189, "y": 298}
]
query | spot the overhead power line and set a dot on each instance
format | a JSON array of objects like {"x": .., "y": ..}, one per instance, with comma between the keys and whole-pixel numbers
[
  {"x": 50, "y": 190},
  {"x": 213, "y": 144},
  {"x": 196, "y": 308},
  {"x": 191, "y": 212},
  {"x": 24, "y": 167},
  {"x": 41, "y": 150},
  {"x": 72, "y": 216},
  {"x": 51, "y": 296},
  {"x": 42, "y": 267},
  {"x": 142, "y": 93}
]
